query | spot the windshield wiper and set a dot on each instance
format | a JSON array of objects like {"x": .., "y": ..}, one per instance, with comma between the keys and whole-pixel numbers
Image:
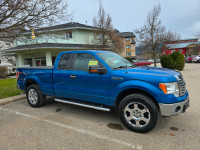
[
  {"x": 120, "y": 67},
  {"x": 124, "y": 67}
]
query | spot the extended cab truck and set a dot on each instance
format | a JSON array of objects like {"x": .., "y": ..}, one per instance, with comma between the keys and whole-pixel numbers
[{"x": 103, "y": 80}]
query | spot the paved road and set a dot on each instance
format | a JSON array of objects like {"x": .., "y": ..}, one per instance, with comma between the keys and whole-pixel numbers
[{"x": 62, "y": 126}]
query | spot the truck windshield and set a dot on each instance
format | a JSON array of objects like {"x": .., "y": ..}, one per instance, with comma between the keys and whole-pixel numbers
[{"x": 114, "y": 60}]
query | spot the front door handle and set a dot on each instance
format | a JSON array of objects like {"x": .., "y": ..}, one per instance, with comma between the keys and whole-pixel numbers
[{"x": 73, "y": 76}]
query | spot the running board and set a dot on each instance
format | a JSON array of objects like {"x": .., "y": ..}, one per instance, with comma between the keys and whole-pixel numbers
[{"x": 84, "y": 105}]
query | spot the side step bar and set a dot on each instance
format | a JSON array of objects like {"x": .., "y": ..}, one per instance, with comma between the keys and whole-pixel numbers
[{"x": 84, "y": 105}]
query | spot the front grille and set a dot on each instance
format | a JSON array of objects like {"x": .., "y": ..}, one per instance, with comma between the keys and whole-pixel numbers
[{"x": 181, "y": 83}]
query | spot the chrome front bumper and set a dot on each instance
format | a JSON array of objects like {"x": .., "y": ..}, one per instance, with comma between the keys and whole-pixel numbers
[{"x": 174, "y": 109}]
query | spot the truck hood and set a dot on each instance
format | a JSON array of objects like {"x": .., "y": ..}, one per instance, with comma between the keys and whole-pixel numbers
[{"x": 149, "y": 74}]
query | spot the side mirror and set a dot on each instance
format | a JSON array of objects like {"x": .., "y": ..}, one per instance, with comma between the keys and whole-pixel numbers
[{"x": 97, "y": 69}]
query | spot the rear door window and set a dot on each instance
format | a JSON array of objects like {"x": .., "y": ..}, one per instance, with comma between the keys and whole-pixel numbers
[{"x": 65, "y": 63}]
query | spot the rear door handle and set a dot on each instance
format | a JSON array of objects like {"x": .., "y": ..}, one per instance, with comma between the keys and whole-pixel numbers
[{"x": 73, "y": 76}]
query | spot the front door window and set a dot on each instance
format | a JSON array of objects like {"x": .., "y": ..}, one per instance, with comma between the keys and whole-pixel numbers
[{"x": 83, "y": 61}]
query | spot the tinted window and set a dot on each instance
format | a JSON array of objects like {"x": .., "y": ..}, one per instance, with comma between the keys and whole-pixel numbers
[
  {"x": 64, "y": 62},
  {"x": 83, "y": 61}
]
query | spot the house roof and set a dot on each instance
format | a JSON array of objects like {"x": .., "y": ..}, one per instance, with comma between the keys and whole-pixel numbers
[
  {"x": 179, "y": 45},
  {"x": 53, "y": 46},
  {"x": 70, "y": 25},
  {"x": 126, "y": 34}
]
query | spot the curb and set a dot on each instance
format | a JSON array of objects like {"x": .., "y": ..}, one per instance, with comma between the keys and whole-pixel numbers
[{"x": 12, "y": 99}]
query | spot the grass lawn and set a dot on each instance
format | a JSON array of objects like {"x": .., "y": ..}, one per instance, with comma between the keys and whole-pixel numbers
[{"x": 8, "y": 88}]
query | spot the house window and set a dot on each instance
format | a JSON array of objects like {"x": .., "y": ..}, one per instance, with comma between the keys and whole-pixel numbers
[
  {"x": 40, "y": 61},
  {"x": 8, "y": 44},
  {"x": 128, "y": 39},
  {"x": 172, "y": 51},
  {"x": 128, "y": 46},
  {"x": 28, "y": 61},
  {"x": 128, "y": 53},
  {"x": 180, "y": 50},
  {"x": 68, "y": 35}
]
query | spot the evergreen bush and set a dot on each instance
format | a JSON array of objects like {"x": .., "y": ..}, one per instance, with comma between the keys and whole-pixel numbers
[{"x": 173, "y": 61}]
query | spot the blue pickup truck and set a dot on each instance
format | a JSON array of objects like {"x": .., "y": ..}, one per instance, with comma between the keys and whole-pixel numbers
[{"x": 104, "y": 80}]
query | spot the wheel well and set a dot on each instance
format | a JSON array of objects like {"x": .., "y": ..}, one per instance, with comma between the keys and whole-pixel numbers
[
  {"x": 127, "y": 92},
  {"x": 29, "y": 83}
]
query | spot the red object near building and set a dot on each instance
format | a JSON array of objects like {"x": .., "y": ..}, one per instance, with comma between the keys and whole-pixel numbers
[
  {"x": 177, "y": 46},
  {"x": 142, "y": 63}
]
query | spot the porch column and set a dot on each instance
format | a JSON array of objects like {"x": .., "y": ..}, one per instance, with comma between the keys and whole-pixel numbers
[
  {"x": 19, "y": 59},
  {"x": 48, "y": 59}
]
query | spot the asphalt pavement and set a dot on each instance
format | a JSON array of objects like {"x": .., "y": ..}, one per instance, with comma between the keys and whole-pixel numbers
[{"x": 63, "y": 126}]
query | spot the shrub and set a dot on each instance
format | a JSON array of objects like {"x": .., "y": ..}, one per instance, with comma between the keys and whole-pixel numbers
[
  {"x": 173, "y": 61},
  {"x": 3, "y": 72},
  {"x": 129, "y": 59},
  {"x": 166, "y": 61},
  {"x": 178, "y": 61}
]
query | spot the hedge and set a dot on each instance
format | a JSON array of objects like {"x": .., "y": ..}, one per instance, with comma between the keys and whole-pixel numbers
[{"x": 173, "y": 61}]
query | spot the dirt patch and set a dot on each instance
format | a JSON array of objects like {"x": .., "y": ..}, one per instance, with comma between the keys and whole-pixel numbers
[
  {"x": 58, "y": 109},
  {"x": 174, "y": 128},
  {"x": 115, "y": 126}
]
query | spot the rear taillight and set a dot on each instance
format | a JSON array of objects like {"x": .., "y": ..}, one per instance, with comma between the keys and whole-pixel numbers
[{"x": 18, "y": 73}]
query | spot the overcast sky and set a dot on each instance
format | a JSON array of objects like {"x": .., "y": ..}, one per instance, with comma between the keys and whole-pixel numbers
[{"x": 182, "y": 16}]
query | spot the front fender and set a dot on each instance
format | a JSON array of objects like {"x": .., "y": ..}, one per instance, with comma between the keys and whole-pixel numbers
[{"x": 135, "y": 84}]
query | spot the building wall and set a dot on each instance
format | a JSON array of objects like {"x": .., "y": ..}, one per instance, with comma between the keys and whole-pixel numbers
[
  {"x": 184, "y": 50},
  {"x": 128, "y": 51},
  {"x": 166, "y": 51},
  {"x": 78, "y": 37}
]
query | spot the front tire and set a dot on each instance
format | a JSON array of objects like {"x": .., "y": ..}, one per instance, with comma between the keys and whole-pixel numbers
[
  {"x": 34, "y": 96},
  {"x": 138, "y": 113}
]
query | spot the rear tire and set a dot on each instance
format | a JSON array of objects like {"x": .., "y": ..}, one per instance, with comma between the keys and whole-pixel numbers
[
  {"x": 34, "y": 96},
  {"x": 138, "y": 113}
]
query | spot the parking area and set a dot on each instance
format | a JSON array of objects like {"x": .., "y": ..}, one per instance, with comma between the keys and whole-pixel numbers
[{"x": 64, "y": 126}]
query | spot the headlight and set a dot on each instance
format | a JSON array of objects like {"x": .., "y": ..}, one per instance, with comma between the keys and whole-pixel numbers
[{"x": 170, "y": 88}]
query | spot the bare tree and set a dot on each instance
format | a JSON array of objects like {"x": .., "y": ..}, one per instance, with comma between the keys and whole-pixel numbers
[
  {"x": 117, "y": 44},
  {"x": 169, "y": 36},
  {"x": 197, "y": 34},
  {"x": 105, "y": 34},
  {"x": 153, "y": 34},
  {"x": 18, "y": 15},
  {"x": 7, "y": 59}
]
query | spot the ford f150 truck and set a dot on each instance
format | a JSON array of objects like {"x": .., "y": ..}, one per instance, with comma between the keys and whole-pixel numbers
[{"x": 103, "y": 80}]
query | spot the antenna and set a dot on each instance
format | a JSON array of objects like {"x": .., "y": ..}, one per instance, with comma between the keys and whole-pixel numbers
[{"x": 86, "y": 23}]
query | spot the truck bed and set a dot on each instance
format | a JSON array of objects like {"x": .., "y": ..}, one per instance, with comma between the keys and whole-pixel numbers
[
  {"x": 37, "y": 67},
  {"x": 42, "y": 75}
]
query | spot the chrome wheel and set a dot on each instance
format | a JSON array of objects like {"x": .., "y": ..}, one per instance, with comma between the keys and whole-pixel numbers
[
  {"x": 32, "y": 96},
  {"x": 137, "y": 114}
]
